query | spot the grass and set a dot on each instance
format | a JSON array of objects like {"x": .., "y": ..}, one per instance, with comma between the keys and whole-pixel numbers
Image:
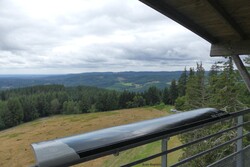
[
  {"x": 163, "y": 107},
  {"x": 144, "y": 151},
  {"x": 15, "y": 142}
]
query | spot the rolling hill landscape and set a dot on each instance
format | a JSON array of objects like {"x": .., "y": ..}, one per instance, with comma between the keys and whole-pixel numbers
[
  {"x": 15, "y": 142},
  {"x": 132, "y": 81}
]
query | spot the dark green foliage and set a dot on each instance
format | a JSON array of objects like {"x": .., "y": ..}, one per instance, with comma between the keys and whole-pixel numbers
[
  {"x": 71, "y": 107},
  {"x": 26, "y": 104},
  {"x": 222, "y": 89},
  {"x": 196, "y": 94},
  {"x": 138, "y": 101},
  {"x": 182, "y": 83},
  {"x": 152, "y": 96},
  {"x": 180, "y": 103},
  {"x": 173, "y": 92},
  {"x": 29, "y": 109},
  {"x": 85, "y": 104},
  {"x": 3, "y": 109},
  {"x": 213, "y": 156},
  {"x": 132, "y": 81},
  {"x": 107, "y": 101},
  {"x": 166, "y": 96},
  {"x": 13, "y": 113},
  {"x": 125, "y": 98},
  {"x": 42, "y": 105},
  {"x": 55, "y": 106}
]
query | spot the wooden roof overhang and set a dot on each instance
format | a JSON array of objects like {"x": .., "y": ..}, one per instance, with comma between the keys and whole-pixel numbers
[
  {"x": 220, "y": 22},
  {"x": 223, "y": 23}
]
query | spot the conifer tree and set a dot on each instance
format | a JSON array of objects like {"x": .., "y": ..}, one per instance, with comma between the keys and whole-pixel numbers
[
  {"x": 152, "y": 96},
  {"x": 166, "y": 98},
  {"x": 13, "y": 114},
  {"x": 173, "y": 92},
  {"x": 196, "y": 91},
  {"x": 182, "y": 83}
]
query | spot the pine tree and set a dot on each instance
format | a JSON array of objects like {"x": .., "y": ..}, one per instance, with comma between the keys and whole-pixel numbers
[
  {"x": 223, "y": 94},
  {"x": 14, "y": 114},
  {"x": 166, "y": 96},
  {"x": 196, "y": 94},
  {"x": 29, "y": 109},
  {"x": 138, "y": 101},
  {"x": 225, "y": 89},
  {"x": 3, "y": 109},
  {"x": 173, "y": 92},
  {"x": 71, "y": 107},
  {"x": 152, "y": 96},
  {"x": 182, "y": 83},
  {"x": 54, "y": 106}
]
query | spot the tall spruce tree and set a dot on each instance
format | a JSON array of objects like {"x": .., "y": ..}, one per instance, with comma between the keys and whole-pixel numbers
[
  {"x": 182, "y": 83},
  {"x": 223, "y": 94},
  {"x": 173, "y": 92},
  {"x": 196, "y": 94},
  {"x": 166, "y": 96},
  {"x": 225, "y": 88},
  {"x": 152, "y": 96}
]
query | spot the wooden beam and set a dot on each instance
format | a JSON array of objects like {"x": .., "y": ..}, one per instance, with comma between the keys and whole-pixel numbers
[
  {"x": 242, "y": 70},
  {"x": 164, "y": 8},
  {"x": 230, "y": 48},
  {"x": 227, "y": 18}
]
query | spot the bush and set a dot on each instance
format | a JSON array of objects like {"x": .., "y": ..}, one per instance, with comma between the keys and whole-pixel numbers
[{"x": 180, "y": 103}]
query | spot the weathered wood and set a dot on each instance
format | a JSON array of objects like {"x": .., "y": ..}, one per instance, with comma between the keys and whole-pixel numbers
[
  {"x": 214, "y": 20},
  {"x": 230, "y": 48},
  {"x": 169, "y": 11},
  {"x": 242, "y": 69},
  {"x": 227, "y": 18}
]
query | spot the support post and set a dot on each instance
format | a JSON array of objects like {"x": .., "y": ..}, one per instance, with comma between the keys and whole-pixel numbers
[
  {"x": 164, "y": 147},
  {"x": 242, "y": 70},
  {"x": 239, "y": 159}
]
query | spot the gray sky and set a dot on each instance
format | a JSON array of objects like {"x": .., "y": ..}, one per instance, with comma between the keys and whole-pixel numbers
[{"x": 73, "y": 36}]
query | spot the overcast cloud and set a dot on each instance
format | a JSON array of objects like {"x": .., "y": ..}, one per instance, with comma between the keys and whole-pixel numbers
[{"x": 72, "y": 36}]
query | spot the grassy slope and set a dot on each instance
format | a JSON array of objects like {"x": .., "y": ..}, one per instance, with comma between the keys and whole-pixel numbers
[{"x": 15, "y": 143}]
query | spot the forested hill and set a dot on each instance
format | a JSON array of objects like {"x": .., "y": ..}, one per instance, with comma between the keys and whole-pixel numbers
[{"x": 132, "y": 81}]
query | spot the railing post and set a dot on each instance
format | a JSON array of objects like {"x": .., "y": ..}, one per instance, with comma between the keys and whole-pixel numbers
[
  {"x": 239, "y": 158},
  {"x": 164, "y": 147}
]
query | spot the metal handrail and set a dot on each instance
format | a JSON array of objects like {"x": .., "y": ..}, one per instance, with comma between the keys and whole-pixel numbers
[
  {"x": 73, "y": 143},
  {"x": 183, "y": 146},
  {"x": 209, "y": 150},
  {"x": 230, "y": 116}
]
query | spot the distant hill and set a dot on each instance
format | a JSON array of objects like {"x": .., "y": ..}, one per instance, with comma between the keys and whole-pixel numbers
[{"x": 133, "y": 81}]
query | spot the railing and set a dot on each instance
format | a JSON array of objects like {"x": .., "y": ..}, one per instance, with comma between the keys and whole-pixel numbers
[
  {"x": 235, "y": 161},
  {"x": 85, "y": 147}
]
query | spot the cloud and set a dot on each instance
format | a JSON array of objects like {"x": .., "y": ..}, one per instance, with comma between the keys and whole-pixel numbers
[{"x": 61, "y": 36}]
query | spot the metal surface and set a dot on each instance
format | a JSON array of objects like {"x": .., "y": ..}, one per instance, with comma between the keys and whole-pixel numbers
[
  {"x": 183, "y": 146},
  {"x": 209, "y": 150},
  {"x": 108, "y": 141},
  {"x": 240, "y": 141},
  {"x": 164, "y": 147},
  {"x": 230, "y": 161}
]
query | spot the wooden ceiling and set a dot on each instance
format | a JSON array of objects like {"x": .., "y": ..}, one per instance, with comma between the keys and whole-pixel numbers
[{"x": 223, "y": 23}]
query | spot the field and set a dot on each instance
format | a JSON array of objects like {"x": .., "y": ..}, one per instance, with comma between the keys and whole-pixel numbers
[{"x": 15, "y": 142}]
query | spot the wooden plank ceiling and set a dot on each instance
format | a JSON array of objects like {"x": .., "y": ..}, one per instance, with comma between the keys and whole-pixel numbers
[{"x": 223, "y": 23}]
